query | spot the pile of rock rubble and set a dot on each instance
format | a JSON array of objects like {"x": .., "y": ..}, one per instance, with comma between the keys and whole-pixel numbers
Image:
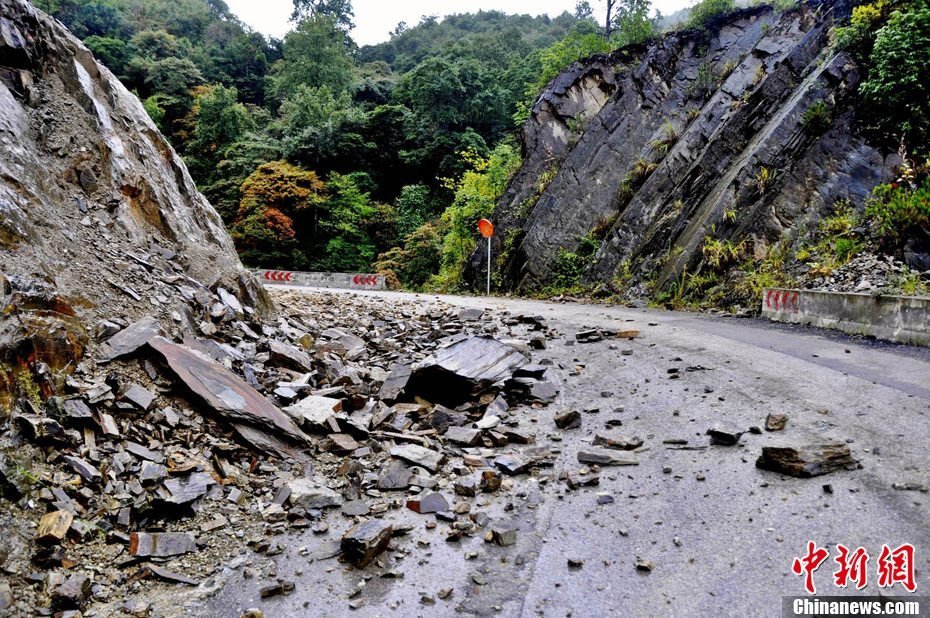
[{"x": 163, "y": 449}]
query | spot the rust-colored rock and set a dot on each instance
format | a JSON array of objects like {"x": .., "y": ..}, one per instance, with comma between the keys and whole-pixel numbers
[
  {"x": 161, "y": 544},
  {"x": 53, "y": 527},
  {"x": 807, "y": 461}
]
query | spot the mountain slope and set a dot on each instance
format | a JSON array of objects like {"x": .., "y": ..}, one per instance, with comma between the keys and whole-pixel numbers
[{"x": 93, "y": 203}]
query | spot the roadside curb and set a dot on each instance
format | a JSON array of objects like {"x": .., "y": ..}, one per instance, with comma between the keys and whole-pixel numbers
[{"x": 903, "y": 319}]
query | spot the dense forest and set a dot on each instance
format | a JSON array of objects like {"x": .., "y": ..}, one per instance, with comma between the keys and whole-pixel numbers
[{"x": 321, "y": 155}]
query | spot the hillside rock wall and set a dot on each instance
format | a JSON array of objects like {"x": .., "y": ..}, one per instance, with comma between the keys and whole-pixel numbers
[{"x": 650, "y": 151}]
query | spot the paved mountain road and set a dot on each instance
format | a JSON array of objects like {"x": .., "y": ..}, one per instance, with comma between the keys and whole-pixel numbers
[{"x": 721, "y": 533}]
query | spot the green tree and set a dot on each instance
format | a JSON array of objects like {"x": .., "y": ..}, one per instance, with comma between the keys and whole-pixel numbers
[
  {"x": 632, "y": 21},
  {"x": 219, "y": 121},
  {"x": 86, "y": 17},
  {"x": 316, "y": 54},
  {"x": 414, "y": 207},
  {"x": 110, "y": 51},
  {"x": 321, "y": 127},
  {"x": 345, "y": 224},
  {"x": 583, "y": 10},
  {"x": 340, "y": 11},
  {"x": 223, "y": 186},
  {"x": 896, "y": 91},
  {"x": 476, "y": 194},
  {"x": 417, "y": 259}
]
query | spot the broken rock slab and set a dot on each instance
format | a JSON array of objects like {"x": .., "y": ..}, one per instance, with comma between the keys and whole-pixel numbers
[
  {"x": 87, "y": 471},
  {"x": 395, "y": 383},
  {"x": 129, "y": 340},
  {"x": 139, "y": 396},
  {"x": 363, "y": 543},
  {"x": 395, "y": 476},
  {"x": 418, "y": 456},
  {"x": 608, "y": 458},
  {"x": 466, "y": 436},
  {"x": 41, "y": 430},
  {"x": 617, "y": 441},
  {"x": 807, "y": 461},
  {"x": 53, "y": 527},
  {"x": 171, "y": 576},
  {"x": 428, "y": 503},
  {"x": 288, "y": 356},
  {"x": 161, "y": 544},
  {"x": 71, "y": 593},
  {"x": 570, "y": 419},
  {"x": 724, "y": 435},
  {"x": 309, "y": 494},
  {"x": 228, "y": 395},
  {"x": 463, "y": 370},
  {"x": 186, "y": 489},
  {"x": 314, "y": 412},
  {"x": 776, "y": 421}
]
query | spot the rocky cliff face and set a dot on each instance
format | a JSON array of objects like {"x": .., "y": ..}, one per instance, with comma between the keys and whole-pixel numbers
[
  {"x": 745, "y": 133},
  {"x": 99, "y": 218}
]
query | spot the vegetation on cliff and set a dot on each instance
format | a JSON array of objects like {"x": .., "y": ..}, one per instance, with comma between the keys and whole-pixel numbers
[{"x": 323, "y": 155}]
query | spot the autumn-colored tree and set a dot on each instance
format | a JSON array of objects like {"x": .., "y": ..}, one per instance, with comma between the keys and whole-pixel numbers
[{"x": 278, "y": 200}]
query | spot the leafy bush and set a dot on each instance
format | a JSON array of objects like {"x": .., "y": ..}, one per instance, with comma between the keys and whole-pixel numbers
[
  {"x": 706, "y": 12},
  {"x": 785, "y": 5},
  {"x": 705, "y": 83},
  {"x": 898, "y": 210},
  {"x": 857, "y": 38},
  {"x": 764, "y": 179},
  {"x": 667, "y": 139},
  {"x": 417, "y": 260},
  {"x": 758, "y": 275},
  {"x": 719, "y": 253},
  {"x": 476, "y": 194},
  {"x": 817, "y": 118},
  {"x": 897, "y": 91},
  {"x": 838, "y": 240},
  {"x": 633, "y": 22},
  {"x": 570, "y": 266}
]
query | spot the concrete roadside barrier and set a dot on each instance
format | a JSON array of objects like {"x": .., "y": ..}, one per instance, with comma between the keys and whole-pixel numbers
[
  {"x": 349, "y": 281},
  {"x": 903, "y": 319}
]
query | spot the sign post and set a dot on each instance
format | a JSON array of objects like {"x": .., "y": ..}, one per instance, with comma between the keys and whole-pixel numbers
[{"x": 487, "y": 230}]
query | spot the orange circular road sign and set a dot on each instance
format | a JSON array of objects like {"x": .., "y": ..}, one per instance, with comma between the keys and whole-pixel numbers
[{"x": 486, "y": 228}]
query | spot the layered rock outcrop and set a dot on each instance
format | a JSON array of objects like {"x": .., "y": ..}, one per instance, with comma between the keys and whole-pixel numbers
[
  {"x": 745, "y": 132},
  {"x": 99, "y": 217}
]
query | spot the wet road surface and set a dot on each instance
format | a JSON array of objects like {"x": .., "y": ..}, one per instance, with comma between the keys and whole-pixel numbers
[{"x": 720, "y": 533}]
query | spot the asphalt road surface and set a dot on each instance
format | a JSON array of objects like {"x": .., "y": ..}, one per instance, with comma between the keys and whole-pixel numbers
[{"x": 721, "y": 534}]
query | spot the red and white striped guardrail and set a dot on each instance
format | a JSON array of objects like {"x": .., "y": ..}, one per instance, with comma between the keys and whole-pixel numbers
[
  {"x": 782, "y": 300},
  {"x": 352, "y": 281},
  {"x": 278, "y": 275}
]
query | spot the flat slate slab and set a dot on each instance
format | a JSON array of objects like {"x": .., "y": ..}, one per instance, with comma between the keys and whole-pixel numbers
[
  {"x": 418, "y": 456},
  {"x": 161, "y": 544},
  {"x": 227, "y": 394},
  {"x": 463, "y": 370},
  {"x": 129, "y": 339}
]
